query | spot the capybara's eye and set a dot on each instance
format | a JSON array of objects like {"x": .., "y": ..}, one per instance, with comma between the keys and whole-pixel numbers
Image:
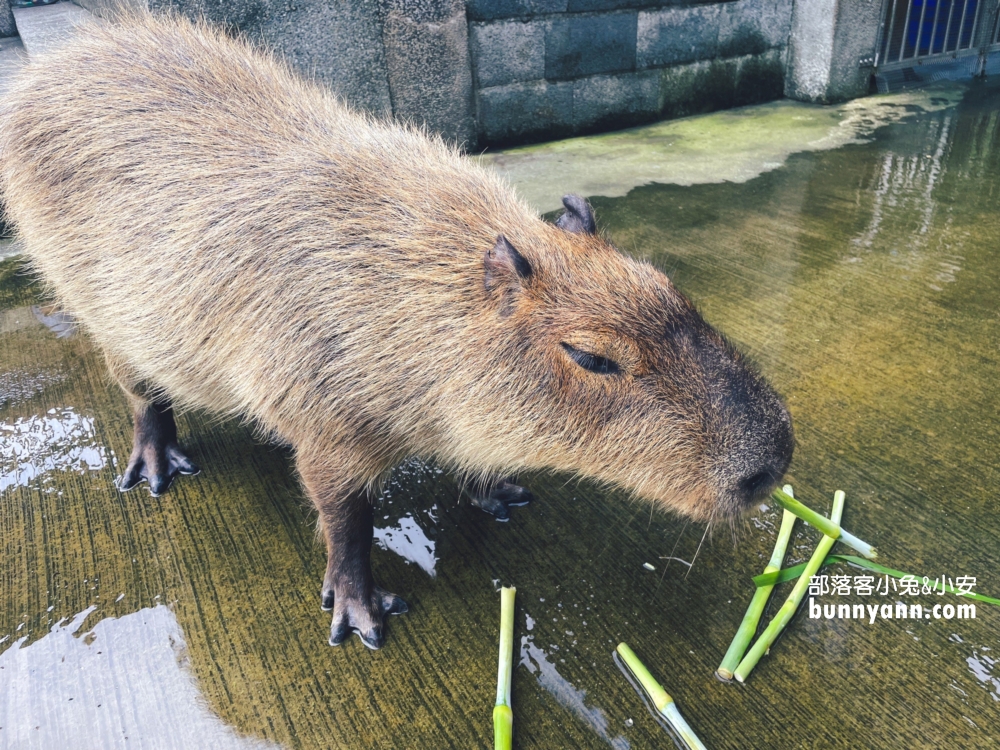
[{"x": 592, "y": 362}]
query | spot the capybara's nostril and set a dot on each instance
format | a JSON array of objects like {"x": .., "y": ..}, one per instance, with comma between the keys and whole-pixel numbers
[{"x": 757, "y": 486}]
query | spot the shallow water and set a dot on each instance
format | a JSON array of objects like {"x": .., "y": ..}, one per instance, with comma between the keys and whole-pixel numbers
[{"x": 864, "y": 281}]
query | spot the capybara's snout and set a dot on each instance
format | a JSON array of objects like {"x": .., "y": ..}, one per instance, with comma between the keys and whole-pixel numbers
[
  {"x": 752, "y": 432},
  {"x": 761, "y": 467}
]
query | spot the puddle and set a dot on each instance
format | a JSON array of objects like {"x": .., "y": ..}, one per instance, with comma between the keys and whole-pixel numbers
[
  {"x": 539, "y": 664},
  {"x": 408, "y": 540},
  {"x": 123, "y": 684},
  {"x": 982, "y": 667},
  {"x": 60, "y": 440},
  {"x": 18, "y": 386},
  {"x": 403, "y": 529},
  {"x": 61, "y": 324}
]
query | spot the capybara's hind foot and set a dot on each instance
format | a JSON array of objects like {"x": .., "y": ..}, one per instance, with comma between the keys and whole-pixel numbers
[
  {"x": 156, "y": 457},
  {"x": 362, "y": 615},
  {"x": 156, "y": 465},
  {"x": 497, "y": 499}
]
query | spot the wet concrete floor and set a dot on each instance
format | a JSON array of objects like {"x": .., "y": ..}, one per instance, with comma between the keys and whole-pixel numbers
[{"x": 864, "y": 281}]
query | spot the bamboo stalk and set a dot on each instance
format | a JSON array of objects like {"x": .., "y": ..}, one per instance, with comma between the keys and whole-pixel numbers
[
  {"x": 503, "y": 716},
  {"x": 741, "y": 641},
  {"x": 659, "y": 697},
  {"x": 794, "y": 599},
  {"x": 828, "y": 526}
]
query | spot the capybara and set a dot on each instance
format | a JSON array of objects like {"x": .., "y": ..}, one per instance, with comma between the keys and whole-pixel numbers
[{"x": 236, "y": 239}]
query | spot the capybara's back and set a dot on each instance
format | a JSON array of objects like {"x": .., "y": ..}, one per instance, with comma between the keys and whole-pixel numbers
[
  {"x": 237, "y": 240},
  {"x": 190, "y": 200}
]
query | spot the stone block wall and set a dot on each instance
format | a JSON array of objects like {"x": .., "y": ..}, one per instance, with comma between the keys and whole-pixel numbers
[
  {"x": 498, "y": 72},
  {"x": 7, "y": 27},
  {"x": 428, "y": 67},
  {"x": 550, "y": 68}
]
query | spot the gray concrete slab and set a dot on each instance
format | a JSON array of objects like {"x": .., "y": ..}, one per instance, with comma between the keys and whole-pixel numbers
[
  {"x": 7, "y": 27},
  {"x": 45, "y": 27},
  {"x": 12, "y": 57}
]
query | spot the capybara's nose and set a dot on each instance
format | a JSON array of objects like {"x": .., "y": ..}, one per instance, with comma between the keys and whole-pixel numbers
[{"x": 770, "y": 465}]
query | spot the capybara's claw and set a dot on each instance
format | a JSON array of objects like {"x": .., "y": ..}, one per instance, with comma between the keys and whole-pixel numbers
[
  {"x": 157, "y": 466},
  {"x": 364, "y": 616},
  {"x": 498, "y": 499},
  {"x": 179, "y": 463},
  {"x": 392, "y": 604}
]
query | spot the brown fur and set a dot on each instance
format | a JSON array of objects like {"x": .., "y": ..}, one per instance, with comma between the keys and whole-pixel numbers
[{"x": 236, "y": 239}]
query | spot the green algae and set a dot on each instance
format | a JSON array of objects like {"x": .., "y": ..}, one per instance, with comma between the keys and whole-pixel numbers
[
  {"x": 18, "y": 286},
  {"x": 734, "y": 145}
]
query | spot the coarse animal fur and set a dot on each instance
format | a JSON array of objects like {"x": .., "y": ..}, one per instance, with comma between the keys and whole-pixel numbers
[{"x": 235, "y": 239}]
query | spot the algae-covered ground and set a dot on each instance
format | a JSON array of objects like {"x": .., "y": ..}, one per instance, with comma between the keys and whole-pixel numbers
[
  {"x": 862, "y": 277},
  {"x": 733, "y": 145}
]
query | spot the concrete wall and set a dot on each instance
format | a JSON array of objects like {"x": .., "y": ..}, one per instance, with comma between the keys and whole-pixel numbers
[
  {"x": 428, "y": 65},
  {"x": 337, "y": 42},
  {"x": 7, "y": 27},
  {"x": 497, "y": 72},
  {"x": 406, "y": 58},
  {"x": 830, "y": 44}
]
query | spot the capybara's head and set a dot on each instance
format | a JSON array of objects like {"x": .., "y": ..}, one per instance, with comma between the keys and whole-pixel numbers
[{"x": 623, "y": 381}]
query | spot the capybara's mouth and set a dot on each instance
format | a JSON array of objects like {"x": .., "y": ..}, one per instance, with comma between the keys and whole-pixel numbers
[{"x": 756, "y": 488}]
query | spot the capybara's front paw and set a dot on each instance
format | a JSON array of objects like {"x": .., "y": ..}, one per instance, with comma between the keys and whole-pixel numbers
[
  {"x": 364, "y": 615},
  {"x": 498, "y": 499},
  {"x": 156, "y": 464}
]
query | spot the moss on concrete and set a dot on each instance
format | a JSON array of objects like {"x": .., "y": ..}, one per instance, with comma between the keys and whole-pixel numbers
[
  {"x": 734, "y": 145},
  {"x": 17, "y": 284}
]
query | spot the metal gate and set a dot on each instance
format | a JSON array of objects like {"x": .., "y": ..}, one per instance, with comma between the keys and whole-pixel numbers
[{"x": 964, "y": 34}]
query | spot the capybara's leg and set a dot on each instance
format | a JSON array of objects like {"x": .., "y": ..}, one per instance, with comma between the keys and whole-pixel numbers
[
  {"x": 156, "y": 456},
  {"x": 359, "y": 606},
  {"x": 497, "y": 497}
]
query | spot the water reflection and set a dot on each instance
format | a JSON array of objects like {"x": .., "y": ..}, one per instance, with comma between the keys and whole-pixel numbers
[
  {"x": 123, "y": 684},
  {"x": 534, "y": 658},
  {"x": 60, "y": 440},
  {"x": 61, "y": 324},
  {"x": 865, "y": 281},
  {"x": 50, "y": 316},
  {"x": 906, "y": 183},
  {"x": 408, "y": 540},
  {"x": 981, "y": 667},
  {"x": 402, "y": 528}
]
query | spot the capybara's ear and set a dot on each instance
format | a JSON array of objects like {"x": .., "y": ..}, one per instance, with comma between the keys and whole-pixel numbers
[
  {"x": 578, "y": 216},
  {"x": 503, "y": 262}
]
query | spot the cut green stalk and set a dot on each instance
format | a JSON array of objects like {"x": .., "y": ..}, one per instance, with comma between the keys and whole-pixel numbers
[
  {"x": 750, "y": 620},
  {"x": 661, "y": 700},
  {"x": 794, "y": 599},
  {"x": 828, "y": 526},
  {"x": 503, "y": 717}
]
